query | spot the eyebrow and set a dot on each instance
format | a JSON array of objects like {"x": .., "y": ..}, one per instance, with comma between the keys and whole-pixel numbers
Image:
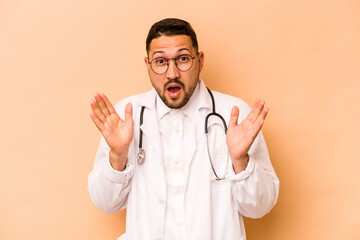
[
  {"x": 181, "y": 49},
  {"x": 158, "y": 52}
]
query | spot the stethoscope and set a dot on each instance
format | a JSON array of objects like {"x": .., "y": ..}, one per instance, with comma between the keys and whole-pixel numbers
[{"x": 141, "y": 153}]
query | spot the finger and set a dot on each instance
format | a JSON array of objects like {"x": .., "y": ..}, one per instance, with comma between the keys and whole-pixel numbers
[
  {"x": 234, "y": 116},
  {"x": 128, "y": 112},
  {"x": 257, "y": 109},
  {"x": 263, "y": 114},
  {"x": 251, "y": 116},
  {"x": 260, "y": 122},
  {"x": 97, "y": 111},
  {"x": 97, "y": 122},
  {"x": 257, "y": 127},
  {"x": 108, "y": 104},
  {"x": 101, "y": 104}
]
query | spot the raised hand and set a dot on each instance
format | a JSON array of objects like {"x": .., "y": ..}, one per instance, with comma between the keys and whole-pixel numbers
[
  {"x": 117, "y": 133},
  {"x": 240, "y": 136}
]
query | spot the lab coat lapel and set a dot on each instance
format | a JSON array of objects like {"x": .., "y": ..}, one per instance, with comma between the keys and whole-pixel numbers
[
  {"x": 150, "y": 126},
  {"x": 190, "y": 146},
  {"x": 197, "y": 134}
]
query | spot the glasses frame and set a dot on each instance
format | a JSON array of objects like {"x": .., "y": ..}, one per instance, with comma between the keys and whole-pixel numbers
[{"x": 167, "y": 63}]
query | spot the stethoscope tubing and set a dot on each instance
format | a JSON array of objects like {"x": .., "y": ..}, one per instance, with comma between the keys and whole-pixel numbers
[{"x": 141, "y": 153}]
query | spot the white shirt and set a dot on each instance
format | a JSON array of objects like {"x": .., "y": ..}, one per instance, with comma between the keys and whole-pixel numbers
[
  {"x": 174, "y": 125},
  {"x": 211, "y": 209},
  {"x": 172, "y": 132}
]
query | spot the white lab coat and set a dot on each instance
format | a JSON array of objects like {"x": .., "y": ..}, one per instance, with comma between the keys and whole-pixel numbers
[{"x": 213, "y": 209}]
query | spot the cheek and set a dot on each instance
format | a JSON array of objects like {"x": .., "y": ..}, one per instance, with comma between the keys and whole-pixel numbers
[
  {"x": 192, "y": 77},
  {"x": 157, "y": 81}
]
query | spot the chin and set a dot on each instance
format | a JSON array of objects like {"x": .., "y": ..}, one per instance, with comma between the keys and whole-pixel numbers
[{"x": 175, "y": 104}]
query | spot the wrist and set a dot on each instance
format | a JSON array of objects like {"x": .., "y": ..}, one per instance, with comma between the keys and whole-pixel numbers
[
  {"x": 118, "y": 160},
  {"x": 240, "y": 163}
]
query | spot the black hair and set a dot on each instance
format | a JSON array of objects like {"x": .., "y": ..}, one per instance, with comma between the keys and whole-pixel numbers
[{"x": 171, "y": 27}]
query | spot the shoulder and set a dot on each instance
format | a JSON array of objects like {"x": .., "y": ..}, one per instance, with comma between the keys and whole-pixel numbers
[
  {"x": 225, "y": 102},
  {"x": 135, "y": 101}
]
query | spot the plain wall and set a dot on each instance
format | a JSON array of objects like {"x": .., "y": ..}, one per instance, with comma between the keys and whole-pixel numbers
[{"x": 302, "y": 57}]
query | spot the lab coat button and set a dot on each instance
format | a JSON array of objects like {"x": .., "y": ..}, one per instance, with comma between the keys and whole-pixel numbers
[{"x": 161, "y": 201}]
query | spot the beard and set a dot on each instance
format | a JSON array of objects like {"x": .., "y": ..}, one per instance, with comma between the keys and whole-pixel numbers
[{"x": 176, "y": 104}]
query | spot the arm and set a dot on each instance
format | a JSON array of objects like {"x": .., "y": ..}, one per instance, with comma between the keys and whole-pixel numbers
[
  {"x": 117, "y": 133},
  {"x": 255, "y": 186},
  {"x": 109, "y": 182}
]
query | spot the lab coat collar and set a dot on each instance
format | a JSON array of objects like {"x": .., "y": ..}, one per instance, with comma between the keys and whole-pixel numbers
[
  {"x": 190, "y": 109},
  {"x": 150, "y": 126},
  {"x": 204, "y": 100},
  {"x": 147, "y": 99},
  {"x": 161, "y": 108},
  {"x": 200, "y": 95}
]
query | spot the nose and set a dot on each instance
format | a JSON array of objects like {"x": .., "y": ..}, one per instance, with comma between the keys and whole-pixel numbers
[{"x": 173, "y": 71}]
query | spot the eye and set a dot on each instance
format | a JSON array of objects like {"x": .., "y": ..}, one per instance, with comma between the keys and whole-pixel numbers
[
  {"x": 160, "y": 61},
  {"x": 184, "y": 58}
]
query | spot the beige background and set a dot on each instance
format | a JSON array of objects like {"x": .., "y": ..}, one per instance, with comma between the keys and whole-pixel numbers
[{"x": 303, "y": 57}]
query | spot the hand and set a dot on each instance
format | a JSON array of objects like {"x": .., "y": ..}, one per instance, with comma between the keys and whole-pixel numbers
[
  {"x": 241, "y": 136},
  {"x": 117, "y": 133}
]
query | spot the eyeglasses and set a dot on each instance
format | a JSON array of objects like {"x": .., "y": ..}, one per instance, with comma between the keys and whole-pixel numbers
[{"x": 160, "y": 65}]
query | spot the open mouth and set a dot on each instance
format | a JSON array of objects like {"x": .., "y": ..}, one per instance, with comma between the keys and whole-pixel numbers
[{"x": 174, "y": 90}]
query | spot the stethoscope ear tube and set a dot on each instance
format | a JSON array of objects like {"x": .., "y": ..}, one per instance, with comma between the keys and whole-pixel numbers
[
  {"x": 213, "y": 113},
  {"x": 217, "y": 115}
]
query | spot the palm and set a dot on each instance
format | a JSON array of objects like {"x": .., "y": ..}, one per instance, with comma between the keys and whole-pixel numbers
[
  {"x": 241, "y": 136},
  {"x": 239, "y": 139},
  {"x": 118, "y": 133}
]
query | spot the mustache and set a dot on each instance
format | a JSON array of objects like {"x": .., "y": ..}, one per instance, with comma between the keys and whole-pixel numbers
[{"x": 174, "y": 81}]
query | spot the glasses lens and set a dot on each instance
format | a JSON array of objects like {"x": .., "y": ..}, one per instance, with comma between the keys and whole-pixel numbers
[
  {"x": 159, "y": 65},
  {"x": 184, "y": 62}
]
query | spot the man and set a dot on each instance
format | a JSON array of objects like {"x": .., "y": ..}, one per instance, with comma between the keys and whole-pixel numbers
[{"x": 187, "y": 184}]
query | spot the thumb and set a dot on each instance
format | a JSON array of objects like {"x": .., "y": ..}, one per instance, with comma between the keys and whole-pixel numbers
[
  {"x": 234, "y": 117},
  {"x": 128, "y": 112}
]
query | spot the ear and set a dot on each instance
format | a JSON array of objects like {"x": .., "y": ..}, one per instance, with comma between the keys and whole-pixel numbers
[
  {"x": 201, "y": 57},
  {"x": 146, "y": 59}
]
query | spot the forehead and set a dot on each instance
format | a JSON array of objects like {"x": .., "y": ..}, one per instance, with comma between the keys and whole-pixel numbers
[{"x": 170, "y": 44}]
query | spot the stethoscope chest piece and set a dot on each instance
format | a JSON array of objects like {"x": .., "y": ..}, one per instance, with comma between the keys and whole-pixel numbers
[
  {"x": 141, "y": 153},
  {"x": 141, "y": 156}
]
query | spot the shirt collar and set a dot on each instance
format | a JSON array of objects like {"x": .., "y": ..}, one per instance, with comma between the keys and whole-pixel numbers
[
  {"x": 199, "y": 100},
  {"x": 190, "y": 109},
  {"x": 161, "y": 108}
]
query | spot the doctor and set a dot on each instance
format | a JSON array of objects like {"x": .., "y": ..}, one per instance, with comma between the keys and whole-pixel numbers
[{"x": 187, "y": 184}]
